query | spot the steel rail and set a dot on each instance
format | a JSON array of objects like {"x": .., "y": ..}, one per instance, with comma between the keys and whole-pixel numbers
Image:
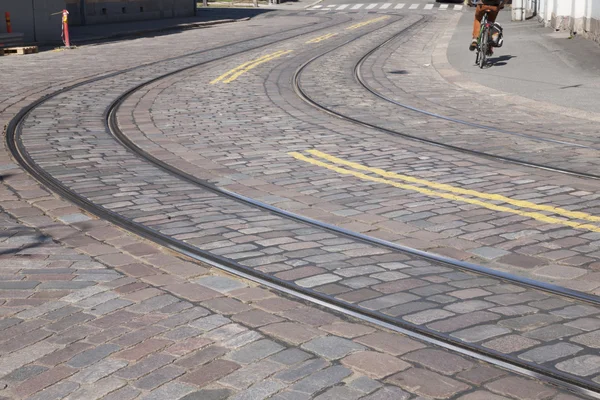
[
  {"x": 361, "y": 80},
  {"x": 17, "y": 148},
  {"x": 111, "y": 124},
  {"x": 543, "y": 286},
  {"x": 511, "y": 160},
  {"x": 330, "y": 302},
  {"x": 19, "y": 151}
]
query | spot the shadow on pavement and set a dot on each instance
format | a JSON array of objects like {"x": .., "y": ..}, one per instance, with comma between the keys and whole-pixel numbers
[
  {"x": 500, "y": 60},
  {"x": 571, "y": 86},
  {"x": 104, "y": 33},
  {"x": 19, "y": 239},
  {"x": 3, "y": 177}
]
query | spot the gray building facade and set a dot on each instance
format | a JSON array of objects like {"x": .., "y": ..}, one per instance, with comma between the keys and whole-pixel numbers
[
  {"x": 103, "y": 11},
  {"x": 34, "y": 18}
]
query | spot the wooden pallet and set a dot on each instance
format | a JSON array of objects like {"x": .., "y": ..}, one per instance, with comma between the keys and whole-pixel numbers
[{"x": 19, "y": 50}]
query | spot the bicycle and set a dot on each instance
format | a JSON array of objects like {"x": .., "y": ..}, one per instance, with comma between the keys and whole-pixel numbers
[{"x": 483, "y": 42}]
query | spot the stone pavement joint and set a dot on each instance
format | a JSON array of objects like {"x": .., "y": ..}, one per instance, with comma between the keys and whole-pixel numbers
[{"x": 113, "y": 334}]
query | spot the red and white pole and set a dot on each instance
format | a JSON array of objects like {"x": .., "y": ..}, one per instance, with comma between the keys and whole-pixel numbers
[
  {"x": 65, "y": 26},
  {"x": 8, "y": 24}
]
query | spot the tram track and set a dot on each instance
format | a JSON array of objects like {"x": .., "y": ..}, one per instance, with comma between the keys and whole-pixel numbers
[
  {"x": 482, "y": 154},
  {"x": 19, "y": 151}
]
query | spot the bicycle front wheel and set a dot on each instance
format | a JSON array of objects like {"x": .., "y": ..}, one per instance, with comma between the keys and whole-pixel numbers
[{"x": 483, "y": 47}]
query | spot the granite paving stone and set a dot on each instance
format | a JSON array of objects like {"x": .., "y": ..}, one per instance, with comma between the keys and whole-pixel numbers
[
  {"x": 481, "y": 374},
  {"x": 389, "y": 343},
  {"x": 321, "y": 379},
  {"x": 582, "y": 366},
  {"x": 67, "y": 137},
  {"x": 332, "y": 347},
  {"x": 144, "y": 366},
  {"x": 482, "y": 395},
  {"x": 364, "y": 384},
  {"x": 91, "y": 356},
  {"x": 388, "y": 393},
  {"x": 171, "y": 390},
  {"x": 463, "y": 321},
  {"x": 25, "y": 373},
  {"x": 255, "y": 351},
  {"x": 98, "y": 371},
  {"x": 291, "y": 332},
  {"x": 439, "y": 361},
  {"x": 520, "y": 388},
  {"x": 590, "y": 339},
  {"x": 246, "y": 376},
  {"x": 220, "y": 284},
  {"x": 375, "y": 365},
  {"x": 339, "y": 392},
  {"x": 304, "y": 369},
  {"x": 427, "y": 316},
  {"x": 552, "y": 332},
  {"x": 158, "y": 377},
  {"x": 510, "y": 343},
  {"x": 585, "y": 324},
  {"x": 427, "y": 383},
  {"x": 549, "y": 353},
  {"x": 210, "y": 372},
  {"x": 480, "y": 332},
  {"x": 208, "y": 394},
  {"x": 260, "y": 390}
]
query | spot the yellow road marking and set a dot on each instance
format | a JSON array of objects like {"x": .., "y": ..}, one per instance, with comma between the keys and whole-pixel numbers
[
  {"x": 239, "y": 67},
  {"x": 360, "y": 25},
  {"x": 255, "y": 64},
  {"x": 234, "y": 73},
  {"x": 453, "y": 189},
  {"x": 321, "y": 38},
  {"x": 534, "y": 215}
]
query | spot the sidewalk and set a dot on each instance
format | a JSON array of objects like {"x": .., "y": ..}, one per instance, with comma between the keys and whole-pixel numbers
[{"x": 535, "y": 62}]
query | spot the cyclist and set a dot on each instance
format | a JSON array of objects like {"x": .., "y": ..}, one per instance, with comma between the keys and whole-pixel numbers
[{"x": 492, "y": 7}]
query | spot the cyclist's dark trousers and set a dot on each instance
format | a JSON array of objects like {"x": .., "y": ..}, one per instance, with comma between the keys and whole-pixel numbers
[{"x": 479, "y": 11}]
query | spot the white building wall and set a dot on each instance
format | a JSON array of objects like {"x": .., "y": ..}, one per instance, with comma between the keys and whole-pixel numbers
[{"x": 580, "y": 17}]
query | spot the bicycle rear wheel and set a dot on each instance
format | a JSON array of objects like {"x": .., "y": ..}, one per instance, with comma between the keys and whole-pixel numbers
[{"x": 483, "y": 47}]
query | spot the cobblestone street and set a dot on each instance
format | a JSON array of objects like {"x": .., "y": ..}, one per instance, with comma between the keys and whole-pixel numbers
[{"x": 180, "y": 219}]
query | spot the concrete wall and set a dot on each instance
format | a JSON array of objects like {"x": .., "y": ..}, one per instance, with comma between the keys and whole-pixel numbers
[
  {"x": 103, "y": 11},
  {"x": 580, "y": 17},
  {"x": 32, "y": 17}
]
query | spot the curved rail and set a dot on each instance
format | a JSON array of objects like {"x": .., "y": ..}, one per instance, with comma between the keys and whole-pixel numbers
[
  {"x": 349, "y": 309},
  {"x": 17, "y": 148},
  {"x": 477, "y": 153}
]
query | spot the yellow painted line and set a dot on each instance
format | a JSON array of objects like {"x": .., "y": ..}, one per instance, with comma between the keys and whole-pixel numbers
[
  {"x": 442, "y": 186},
  {"x": 321, "y": 38},
  {"x": 254, "y": 65},
  {"x": 232, "y": 71},
  {"x": 534, "y": 215},
  {"x": 360, "y": 25},
  {"x": 247, "y": 64}
]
